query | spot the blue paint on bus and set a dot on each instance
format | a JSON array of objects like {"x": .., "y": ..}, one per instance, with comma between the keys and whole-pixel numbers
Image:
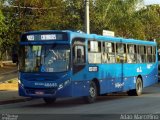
[{"x": 41, "y": 81}]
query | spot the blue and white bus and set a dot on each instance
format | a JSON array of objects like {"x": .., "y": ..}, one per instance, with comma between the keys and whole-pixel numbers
[{"x": 56, "y": 64}]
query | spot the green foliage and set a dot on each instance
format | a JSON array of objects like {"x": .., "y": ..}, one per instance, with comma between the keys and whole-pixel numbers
[
  {"x": 73, "y": 17},
  {"x": 3, "y": 30},
  {"x": 120, "y": 16},
  {"x": 150, "y": 17},
  {"x": 2, "y": 26}
]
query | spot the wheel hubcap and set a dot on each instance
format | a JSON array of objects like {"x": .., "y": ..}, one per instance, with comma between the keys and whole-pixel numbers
[
  {"x": 139, "y": 87},
  {"x": 92, "y": 92}
]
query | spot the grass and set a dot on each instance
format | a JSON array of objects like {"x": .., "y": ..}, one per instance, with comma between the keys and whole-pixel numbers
[{"x": 15, "y": 80}]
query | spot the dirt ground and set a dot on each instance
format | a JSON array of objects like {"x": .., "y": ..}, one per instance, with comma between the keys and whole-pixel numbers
[{"x": 8, "y": 76}]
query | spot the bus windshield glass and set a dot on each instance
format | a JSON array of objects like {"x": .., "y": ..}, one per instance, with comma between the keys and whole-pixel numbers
[{"x": 45, "y": 58}]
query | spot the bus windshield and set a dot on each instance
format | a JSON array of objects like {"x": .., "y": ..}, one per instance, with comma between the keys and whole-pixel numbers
[{"x": 45, "y": 58}]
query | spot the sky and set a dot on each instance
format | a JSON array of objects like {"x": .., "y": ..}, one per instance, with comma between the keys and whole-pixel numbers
[{"x": 149, "y": 2}]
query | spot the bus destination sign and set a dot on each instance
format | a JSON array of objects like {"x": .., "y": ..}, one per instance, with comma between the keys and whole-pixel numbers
[{"x": 43, "y": 37}]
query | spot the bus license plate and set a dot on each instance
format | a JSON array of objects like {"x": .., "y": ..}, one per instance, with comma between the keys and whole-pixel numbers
[{"x": 39, "y": 92}]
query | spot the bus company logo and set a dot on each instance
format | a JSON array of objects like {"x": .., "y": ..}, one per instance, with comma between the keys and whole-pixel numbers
[
  {"x": 62, "y": 85},
  {"x": 149, "y": 66},
  {"x": 139, "y": 69},
  {"x": 119, "y": 85}
]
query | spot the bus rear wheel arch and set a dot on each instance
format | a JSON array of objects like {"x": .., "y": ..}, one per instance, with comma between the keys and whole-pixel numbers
[{"x": 139, "y": 86}]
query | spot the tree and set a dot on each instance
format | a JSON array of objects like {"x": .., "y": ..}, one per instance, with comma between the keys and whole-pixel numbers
[
  {"x": 150, "y": 17},
  {"x": 27, "y": 15},
  {"x": 3, "y": 29},
  {"x": 73, "y": 15},
  {"x": 118, "y": 16}
]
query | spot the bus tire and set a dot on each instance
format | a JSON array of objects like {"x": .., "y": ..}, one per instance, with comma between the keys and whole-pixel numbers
[
  {"x": 49, "y": 100},
  {"x": 92, "y": 93},
  {"x": 138, "y": 90}
]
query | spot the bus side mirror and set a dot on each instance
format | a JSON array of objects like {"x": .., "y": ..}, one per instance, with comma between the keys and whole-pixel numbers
[{"x": 79, "y": 53}]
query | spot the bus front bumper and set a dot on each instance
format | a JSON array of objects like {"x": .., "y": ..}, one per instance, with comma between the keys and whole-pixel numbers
[{"x": 45, "y": 92}]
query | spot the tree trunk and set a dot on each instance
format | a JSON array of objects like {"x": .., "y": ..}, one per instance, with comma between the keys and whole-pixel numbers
[{"x": 1, "y": 56}]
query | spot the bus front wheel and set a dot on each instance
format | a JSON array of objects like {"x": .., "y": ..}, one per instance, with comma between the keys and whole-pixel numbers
[
  {"x": 92, "y": 93},
  {"x": 49, "y": 100},
  {"x": 138, "y": 90}
]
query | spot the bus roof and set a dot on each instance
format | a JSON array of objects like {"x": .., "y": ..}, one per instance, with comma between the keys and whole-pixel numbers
[
  {"x": 124, "y": 40},
  {"x": 80, "y": 34}
]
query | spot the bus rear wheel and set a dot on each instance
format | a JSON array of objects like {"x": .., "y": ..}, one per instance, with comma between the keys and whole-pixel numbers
[
  {"x": 138, "y": 90},
  {"x": 49, "y": 100},
  {"x": 92, "y": 93}
]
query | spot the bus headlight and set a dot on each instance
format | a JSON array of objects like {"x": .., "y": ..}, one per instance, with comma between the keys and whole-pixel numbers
[{"x": 19, "y": 82}]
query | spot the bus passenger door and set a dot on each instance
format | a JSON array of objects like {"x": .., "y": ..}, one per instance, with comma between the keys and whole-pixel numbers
[
  {"x": 78, "y": 55},
  {"x": 121, "y": 59},
  {"x": 79, "y": 77},
  {"x": 78, "y": 58}
]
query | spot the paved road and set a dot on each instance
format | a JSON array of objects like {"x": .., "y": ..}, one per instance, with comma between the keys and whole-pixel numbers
[{"x": 117, "y": 104}]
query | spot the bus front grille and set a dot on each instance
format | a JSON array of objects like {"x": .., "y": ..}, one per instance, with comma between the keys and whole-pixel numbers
[{"x": 44, "y": 91}]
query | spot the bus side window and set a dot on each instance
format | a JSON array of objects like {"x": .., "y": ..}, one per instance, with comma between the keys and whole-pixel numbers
[
  {"x": 112, "y": 56},
  {"x": 94, "y": 52},
  {"x": 131, "y": 57},
  {"x": 149, "y": 54},
  {"x": 143, "y": 53},
  {"x": 153, "y": 54},
  {"x": 109, "y": 52},
  {"x": 121, "y": 53},
  {"x": 104, "y": 53},
  {"x": 139, "y": 58}
]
